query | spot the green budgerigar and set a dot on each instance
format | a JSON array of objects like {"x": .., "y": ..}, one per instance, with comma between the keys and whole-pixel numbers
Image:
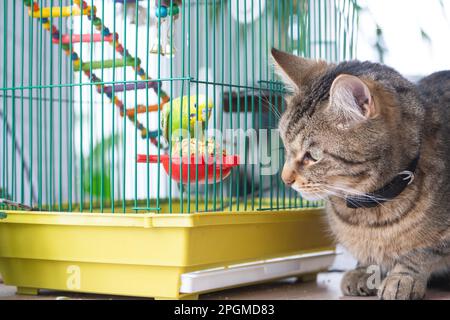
[{"x": 185, "y": 113}]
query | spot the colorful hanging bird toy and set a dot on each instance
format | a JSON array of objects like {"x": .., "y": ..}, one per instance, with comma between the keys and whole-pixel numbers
[{"x": 166, "y": 12}]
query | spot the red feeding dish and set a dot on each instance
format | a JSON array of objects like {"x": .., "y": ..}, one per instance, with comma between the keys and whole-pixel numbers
[{"x": 197, "y": 169}]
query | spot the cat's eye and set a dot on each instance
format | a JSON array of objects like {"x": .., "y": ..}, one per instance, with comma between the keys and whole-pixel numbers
[
  {"x": 315, "y": 154},
  {"x": 311, "y": 157},
  {"x": 307, "y": 159}
]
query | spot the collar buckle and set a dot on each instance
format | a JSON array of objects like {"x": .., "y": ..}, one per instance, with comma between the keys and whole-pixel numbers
[
  {"x": 388, "y": 192},
  {"x": 409, "y": 176}
]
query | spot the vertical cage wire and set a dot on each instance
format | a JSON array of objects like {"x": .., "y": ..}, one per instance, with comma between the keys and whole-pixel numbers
[{"x": 89, "y": 86}]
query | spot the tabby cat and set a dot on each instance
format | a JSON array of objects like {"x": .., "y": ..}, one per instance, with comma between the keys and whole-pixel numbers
[{"x": 376, "y": 147}]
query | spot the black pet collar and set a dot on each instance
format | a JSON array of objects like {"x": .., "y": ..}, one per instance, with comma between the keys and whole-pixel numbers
[{"x": 388, "y": 192}]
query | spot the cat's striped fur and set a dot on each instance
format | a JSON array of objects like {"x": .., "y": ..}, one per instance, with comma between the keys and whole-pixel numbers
[{"x": 329, "y": 156}]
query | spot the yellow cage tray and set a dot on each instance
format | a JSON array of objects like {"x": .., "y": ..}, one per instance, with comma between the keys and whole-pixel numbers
[{"x": 145, "y": 254}]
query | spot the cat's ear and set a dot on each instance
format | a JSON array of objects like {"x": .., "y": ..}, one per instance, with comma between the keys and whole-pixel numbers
[
  {"x": 351, "y": 99},
  {"x": 296, "y": 71}
]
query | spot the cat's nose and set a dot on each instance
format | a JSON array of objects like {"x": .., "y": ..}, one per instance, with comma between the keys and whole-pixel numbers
[{"x": 288, "y": 175}]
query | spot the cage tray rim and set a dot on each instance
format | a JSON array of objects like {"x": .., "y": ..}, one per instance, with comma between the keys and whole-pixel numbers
[{"x": 149, "y": 220}]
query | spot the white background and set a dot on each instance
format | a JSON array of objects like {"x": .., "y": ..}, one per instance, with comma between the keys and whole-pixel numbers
[{"x": 402, "y": 21}]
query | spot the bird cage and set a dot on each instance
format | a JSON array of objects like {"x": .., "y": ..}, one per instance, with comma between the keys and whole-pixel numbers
[{"x": 140, "y": 154}]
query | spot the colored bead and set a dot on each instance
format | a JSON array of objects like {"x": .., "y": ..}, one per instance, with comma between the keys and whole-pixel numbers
[
  {"x": 119, "y": 49},
  {"x": 106, "y": 32},
  {"x": 97, "y": 21},
  {"x": 161, "y": 12},
  {"x": 175, "y": 10},
  {"x": 74, "y": 56}
]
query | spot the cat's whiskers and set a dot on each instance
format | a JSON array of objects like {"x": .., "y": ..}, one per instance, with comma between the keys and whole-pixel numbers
[
  {"x": 318, "y": 195},
  {"x": 317, "y": 189},
  {"x": 351, "y": 191},
  {"x": 339, "y": 195},
  {"x": 272, "y": 107},
  {"x": 336, "y": 194}
]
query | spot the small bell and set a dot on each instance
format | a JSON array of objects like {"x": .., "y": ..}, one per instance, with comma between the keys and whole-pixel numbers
[
  {"x": 169, "y": 50},
  {"x": 155, "y": 49}
]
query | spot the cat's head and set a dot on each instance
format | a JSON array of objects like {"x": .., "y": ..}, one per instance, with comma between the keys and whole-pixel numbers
[{"x": 348, "y": 128}]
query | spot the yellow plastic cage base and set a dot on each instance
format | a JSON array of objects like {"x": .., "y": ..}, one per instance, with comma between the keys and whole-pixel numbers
[{"x": 145, "y": 254}]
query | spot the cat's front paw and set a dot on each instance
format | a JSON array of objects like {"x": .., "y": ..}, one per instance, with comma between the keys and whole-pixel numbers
[
  {"x": 355, "y": 283},
  {"x": 402, "y": 287}
]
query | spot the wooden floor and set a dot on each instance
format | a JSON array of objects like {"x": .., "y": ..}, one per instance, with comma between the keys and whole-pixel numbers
[{"x": 324, "y": 288}]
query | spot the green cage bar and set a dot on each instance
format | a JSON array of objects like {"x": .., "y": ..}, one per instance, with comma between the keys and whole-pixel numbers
[{"x": 77, "y": 115}]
